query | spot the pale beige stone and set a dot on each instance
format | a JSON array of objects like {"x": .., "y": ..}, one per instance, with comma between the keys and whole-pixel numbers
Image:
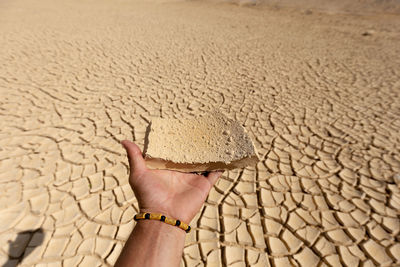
[
  {"x": 231, "y": 223},
  {"x": 295, "y": 221},
  {"x": 96, "y": 182},
  {"x": 29, "y": 222},
  {"x": 74, "y": 241},
  {"x": 107, "y": 199},
  {"x": 110, "y": 183},
  {"x": 378, "y": 232},
  {"x": 281, "y": 262},
  {"x": 90, "y": 206},
  {"x": 214, "y": 258},
  {"x": 395, "y": 251},
  {"x": 377, "y": 252},
  {"x": 223, "y": 184},
  {"x": 128, "y": 214},
  {"x": 273, "y": 227},
  {"x": 39, "y": 203},
  {"x": 289, "y": 202},
  {"x": 238, "y": 264},
  {"x": 291, "y": 241},
  {"x": 392, "y": 224},
  {"x": 192, "y": 251},
  {"x": 87, "y": 246},
  {"x": 255, "y": 258},
  {"x": 209, "y": 223},
  {"x": 360, "y": 216},
  {"x": 328, "y": 220},
  {"x": 73, "y": 261},
  {"x": 208, "y": 246},
  {"x": 309, "y": 234},
  {"x": 307, "y": 257},
  {"x": 89, "y": 260},
  {"x": 112, "y": 258},
  {"x": 267, "y": 198},
  {"x": 65, "y": 230},
  {"x": 334, "y": 260},
  {"x": 12, "y": 216},
  {"x": 103, "y": 247},
  {"x": 53, "y": 263},
  {"x": 234, "y": 254},
  {"x": 369, "y": 263},
  {"x": 89, "y": 229},
  {"x": 358, "y": 234},
  {"x": 207, "y": 235},
  {"x": 208, "y": 142},
  {"x": 348, "y": 258},
  {"x": 258, "y": 234},
  {"x": 56, "y": 247},
  {"x": 125, "y": 230},
  {"x": 108, "y": 231},
  {"x": 128, "y": 193},
  {"x": 339, "y": 237},
  {"x": 307, "y": 216},
  {"x": 81, "y": 188},
  {"x": 278, "y": 213},
  {"x": 104, "y": 217},
  {"x": 277, "y": 247},
  {"x": 346, "y": 219},
  {"x": 243, "y": 235},
  {"x": 325, "y": 247},
  {"x": 357, "y": 252},
  {"x": 230, "y": 210}
]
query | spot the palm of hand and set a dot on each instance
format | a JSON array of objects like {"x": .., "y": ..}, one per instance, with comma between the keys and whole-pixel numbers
[{"x": 176, "y": 194}]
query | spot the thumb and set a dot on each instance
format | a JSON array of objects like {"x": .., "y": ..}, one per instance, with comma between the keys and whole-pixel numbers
[
  {"x": 137, "y": 164},
  {"x": 213, "y": 177}
]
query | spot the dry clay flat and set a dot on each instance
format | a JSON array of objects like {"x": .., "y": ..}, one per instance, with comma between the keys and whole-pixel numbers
[{"x": 206, "y": 143}]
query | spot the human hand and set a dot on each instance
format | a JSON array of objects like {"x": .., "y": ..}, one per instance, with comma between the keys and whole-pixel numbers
[{"x": 175, "y": 194}]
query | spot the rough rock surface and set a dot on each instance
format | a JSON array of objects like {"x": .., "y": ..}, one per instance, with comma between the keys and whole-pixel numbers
[
  {"x": 203, "y": 143},
  {"x": 320, "y": 96}
]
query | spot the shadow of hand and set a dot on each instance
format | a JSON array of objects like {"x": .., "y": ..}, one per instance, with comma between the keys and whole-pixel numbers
[{"x": 20, "y": 247}]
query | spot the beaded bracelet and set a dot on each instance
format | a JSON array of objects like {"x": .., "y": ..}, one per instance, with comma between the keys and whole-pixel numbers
[{"x": 162, "y": 218}]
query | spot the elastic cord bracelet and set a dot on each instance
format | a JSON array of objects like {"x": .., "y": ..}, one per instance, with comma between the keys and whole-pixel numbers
[{"x": 162, "y": 218}]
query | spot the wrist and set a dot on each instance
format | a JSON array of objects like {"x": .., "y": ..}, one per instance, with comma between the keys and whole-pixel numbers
[
  {"x": 162, "y": 217},
  {"x": 170, "y": 214},
  {"x": 160, "y": 228}
]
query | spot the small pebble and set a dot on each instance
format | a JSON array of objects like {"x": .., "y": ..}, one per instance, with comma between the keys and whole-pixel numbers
[{"x": 226, "y": 132}]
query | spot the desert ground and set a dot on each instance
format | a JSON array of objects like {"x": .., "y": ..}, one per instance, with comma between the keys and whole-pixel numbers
[{"x": 317, "y": 89}]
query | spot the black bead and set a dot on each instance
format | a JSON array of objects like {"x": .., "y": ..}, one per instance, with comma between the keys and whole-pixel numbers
[
  {"x": 134, "y": 217},
  {"x": 178, "y": 222},
  {"x": 147, "y": 216},
  {"x": 188, "y": 230},
  {"x": 162, "y": 218}
]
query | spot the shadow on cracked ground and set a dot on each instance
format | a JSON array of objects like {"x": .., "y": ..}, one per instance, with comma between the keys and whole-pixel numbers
[{"x": 24, "y": 244}]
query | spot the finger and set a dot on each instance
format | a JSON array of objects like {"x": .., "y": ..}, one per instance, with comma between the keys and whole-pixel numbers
[
  {"x": 213, "y": 176},
  {"x": 137, "y": 164}
]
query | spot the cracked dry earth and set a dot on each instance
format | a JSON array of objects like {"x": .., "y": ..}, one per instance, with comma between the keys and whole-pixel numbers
[{"x": 318, "y": 92}]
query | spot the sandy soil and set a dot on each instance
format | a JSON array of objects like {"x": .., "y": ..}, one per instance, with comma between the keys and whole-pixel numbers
[{"x": 318, "y": 91}]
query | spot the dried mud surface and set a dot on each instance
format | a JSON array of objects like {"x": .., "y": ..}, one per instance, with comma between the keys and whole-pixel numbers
[
  {"x": 318, "y": 92},
  {"x": 201, "y": 143}
]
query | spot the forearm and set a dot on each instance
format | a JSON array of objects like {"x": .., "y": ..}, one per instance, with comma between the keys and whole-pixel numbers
[{"x": 153, "y": 243}]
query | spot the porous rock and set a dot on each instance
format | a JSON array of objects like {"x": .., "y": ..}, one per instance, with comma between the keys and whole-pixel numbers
[{"x": 208, "y": 142}]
